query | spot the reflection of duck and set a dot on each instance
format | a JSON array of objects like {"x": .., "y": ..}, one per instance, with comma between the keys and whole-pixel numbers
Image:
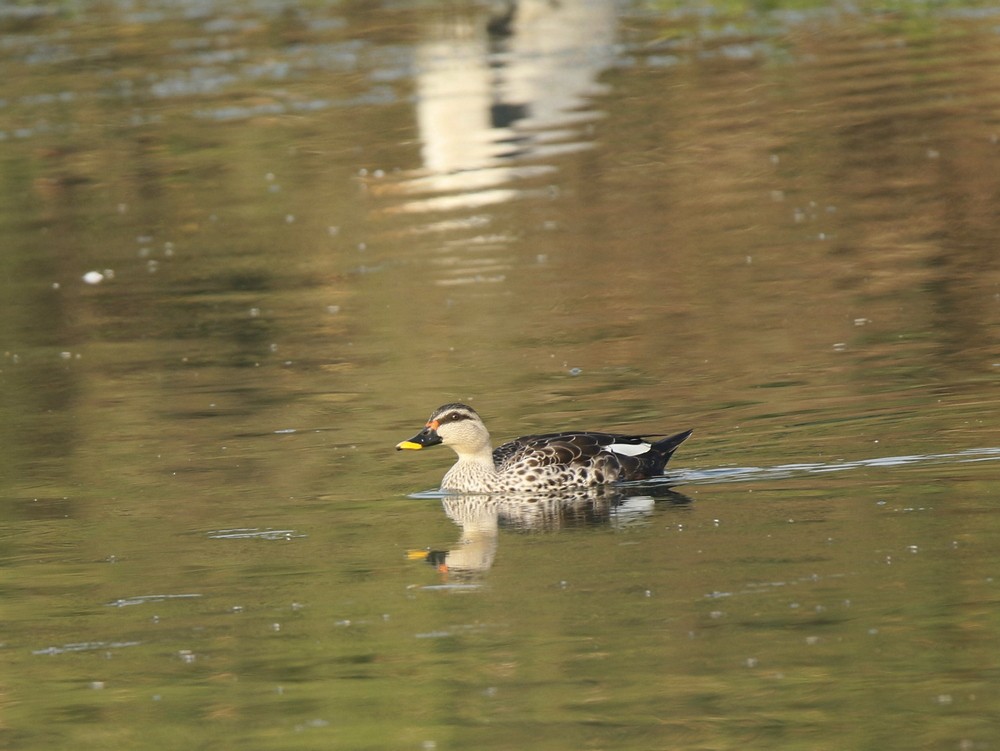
[
  {"x": 538, "y": 463},
  {"x": 482, "y": 516}
]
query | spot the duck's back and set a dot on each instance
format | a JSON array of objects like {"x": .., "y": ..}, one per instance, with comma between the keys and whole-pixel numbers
[{"x": 582, "y": 458}]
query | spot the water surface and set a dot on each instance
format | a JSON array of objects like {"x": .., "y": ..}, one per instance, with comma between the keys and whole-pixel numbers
[{"x": 246, "y": 250}]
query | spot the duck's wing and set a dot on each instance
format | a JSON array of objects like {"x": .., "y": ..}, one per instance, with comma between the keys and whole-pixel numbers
[
  {"x": 618, "y": 457},
  {"x": 569, "y": 448}
]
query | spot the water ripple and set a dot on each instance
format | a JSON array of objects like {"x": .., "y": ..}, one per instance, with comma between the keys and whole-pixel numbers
[{"x": 749, "y": 474}]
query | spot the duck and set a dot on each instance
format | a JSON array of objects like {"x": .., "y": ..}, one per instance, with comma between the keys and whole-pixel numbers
[{"x": 538, "y": 463}]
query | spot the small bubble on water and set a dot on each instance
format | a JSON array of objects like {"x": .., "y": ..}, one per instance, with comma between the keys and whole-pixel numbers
[
  {"x": 575, "y": 371},
  {"x": 93, "y": 277}
]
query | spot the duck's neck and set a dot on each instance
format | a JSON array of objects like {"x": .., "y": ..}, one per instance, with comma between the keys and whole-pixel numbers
[{"x": 474, "y": 471}]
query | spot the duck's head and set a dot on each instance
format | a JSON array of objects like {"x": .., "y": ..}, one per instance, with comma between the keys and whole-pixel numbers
[{"x": 454, "y": 425}]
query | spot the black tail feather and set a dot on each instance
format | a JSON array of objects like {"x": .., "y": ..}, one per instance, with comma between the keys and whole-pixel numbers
[{"x": 668, "y": 446}]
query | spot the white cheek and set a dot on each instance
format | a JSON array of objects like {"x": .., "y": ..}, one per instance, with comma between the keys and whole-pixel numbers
[{"x": 628, "y": 449}]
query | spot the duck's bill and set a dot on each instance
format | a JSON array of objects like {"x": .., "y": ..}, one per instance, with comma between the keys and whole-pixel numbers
[{"x": 421, "y": 440}]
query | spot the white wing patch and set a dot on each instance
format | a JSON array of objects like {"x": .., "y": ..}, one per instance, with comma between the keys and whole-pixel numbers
[{"x": 628, "y": 449}]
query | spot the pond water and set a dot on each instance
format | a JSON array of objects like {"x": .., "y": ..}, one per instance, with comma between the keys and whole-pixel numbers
[{"x": 247, "y": 248}]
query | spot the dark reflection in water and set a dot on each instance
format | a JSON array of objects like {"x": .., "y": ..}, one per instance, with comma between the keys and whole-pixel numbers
[{"x": 481, "y": 518}]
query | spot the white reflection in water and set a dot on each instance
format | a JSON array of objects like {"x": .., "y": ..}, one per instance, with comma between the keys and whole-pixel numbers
[
  {"x": 85, "y": 646},
  {"x": 143, "y": 599},
  {"x": 482, "y": 101},
  {"x": 254, "y": 533}
]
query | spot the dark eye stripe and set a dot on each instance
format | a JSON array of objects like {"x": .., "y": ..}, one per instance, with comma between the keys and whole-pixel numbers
[{"x": 453, "y": 413}]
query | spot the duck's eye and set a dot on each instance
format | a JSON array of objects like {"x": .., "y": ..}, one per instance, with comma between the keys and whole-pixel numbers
[{"x": 454, "y": 416}]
